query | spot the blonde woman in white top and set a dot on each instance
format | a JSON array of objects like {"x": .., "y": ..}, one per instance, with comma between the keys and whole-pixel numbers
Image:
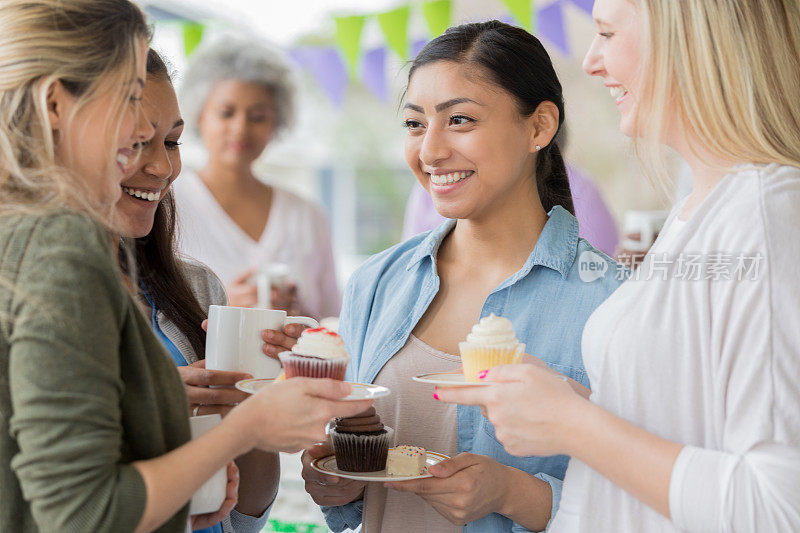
[
  {"x": 694, "y": 418},
  {"x": 237, "y": 96}
]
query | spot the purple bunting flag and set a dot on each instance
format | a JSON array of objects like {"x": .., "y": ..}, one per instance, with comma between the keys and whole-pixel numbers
[
  {"x": 417, "y": 46},
  {"x": 584, "y": 5},
  {"x": 551, "y": 26},
  {"x": 326, "y": 67},
  {"x": 373, "y": 73}
]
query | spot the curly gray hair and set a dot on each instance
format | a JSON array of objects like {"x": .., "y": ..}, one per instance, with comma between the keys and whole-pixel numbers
[{"x": 236, "y": 59}]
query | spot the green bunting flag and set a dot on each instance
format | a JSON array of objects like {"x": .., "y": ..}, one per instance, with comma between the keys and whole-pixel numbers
[
  {"x": 395, "y": 28},
  {"x": 522, "y": 11},
  {"x": 348, "y": 39},
  {"x": 192, "y": 35},
  {"x": 437, "y": 16}
]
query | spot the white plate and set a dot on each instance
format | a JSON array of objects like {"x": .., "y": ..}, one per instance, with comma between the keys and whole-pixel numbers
[
  {"x": 327, "y": 465},
  {"x": 448, "y": 379},
  {"x": 252, "y": 386},
  {"x": 360, "y": 391},
  {"x": 366, "y": 391}
]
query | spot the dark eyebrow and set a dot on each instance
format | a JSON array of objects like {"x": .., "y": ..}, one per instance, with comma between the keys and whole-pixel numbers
[
  {"x": 140, "y": 81},
  {"x": 450, "y": 103},
  {"x": 444, "y": 105},
  {"x": 178, "y": 124}
]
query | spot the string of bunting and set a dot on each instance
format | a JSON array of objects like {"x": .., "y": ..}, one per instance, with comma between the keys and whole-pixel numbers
[{"x": 334, "y": 68}]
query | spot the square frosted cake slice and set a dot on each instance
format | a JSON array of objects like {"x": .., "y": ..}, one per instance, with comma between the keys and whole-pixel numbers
[{"x": 406, "y": 460}]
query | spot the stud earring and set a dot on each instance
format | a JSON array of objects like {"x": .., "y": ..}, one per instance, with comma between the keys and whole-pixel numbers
[{"x": 538, "y": 147}]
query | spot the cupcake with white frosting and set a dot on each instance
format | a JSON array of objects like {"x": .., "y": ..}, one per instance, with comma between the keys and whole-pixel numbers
[
  {"x": 319, "y": 353},
  {"x": 492, "y": 342}
]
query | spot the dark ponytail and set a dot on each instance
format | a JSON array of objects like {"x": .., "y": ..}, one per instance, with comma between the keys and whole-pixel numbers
[{"x": 515, "y": 60}]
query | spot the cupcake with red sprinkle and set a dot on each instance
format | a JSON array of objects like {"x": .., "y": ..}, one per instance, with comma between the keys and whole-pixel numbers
[{"x": 319, "y": 353}]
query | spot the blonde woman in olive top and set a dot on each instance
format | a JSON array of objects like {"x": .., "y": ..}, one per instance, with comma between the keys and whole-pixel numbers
[{"x": 93, "y": 414}]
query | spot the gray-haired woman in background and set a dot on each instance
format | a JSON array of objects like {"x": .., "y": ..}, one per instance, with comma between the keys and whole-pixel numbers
[{"x": 237, "y": 96}]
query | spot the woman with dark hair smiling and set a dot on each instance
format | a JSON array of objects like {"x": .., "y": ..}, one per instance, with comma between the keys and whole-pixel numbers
[
  {"x": 694, "y": 419},
  {"x": 176, "y": 293},
  {"x": 482, "y": 108}
]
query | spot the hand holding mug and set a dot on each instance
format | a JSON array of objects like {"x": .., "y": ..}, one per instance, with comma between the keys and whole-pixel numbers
[
  {"x": 285, "y": 298},
  {"x": 235, "y": 342},
  {"x": 243, "y": 291},
  {"x": 203, "y": 521},
  {"x": 204, "y": 400},
  {"x": 276, "y": 341}
]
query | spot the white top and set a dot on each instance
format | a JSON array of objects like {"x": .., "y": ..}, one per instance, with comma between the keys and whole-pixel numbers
[
  {"x": 710, "y": 359},
  {"x": 297, "y": 234}
]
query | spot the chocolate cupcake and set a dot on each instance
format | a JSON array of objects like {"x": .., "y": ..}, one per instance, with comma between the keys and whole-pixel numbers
[
  {"x": 319, "y": 353},
  {"x": 361, "y": 442}
]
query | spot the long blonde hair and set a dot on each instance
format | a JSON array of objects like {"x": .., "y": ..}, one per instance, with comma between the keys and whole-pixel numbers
[
  {"x": 729, "y": 70},
  {"x": 90, "y": 46}
]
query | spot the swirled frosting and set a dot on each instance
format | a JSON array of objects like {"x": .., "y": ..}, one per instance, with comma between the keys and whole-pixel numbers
[
  {"x": 493, "y": 331},
  {"x": 320, "y": 343},
  {"x": 366, "y": 422}
]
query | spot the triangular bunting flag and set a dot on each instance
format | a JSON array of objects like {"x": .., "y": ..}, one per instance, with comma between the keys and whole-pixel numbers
[
  {"x": 395, "y": 28},
  {"x": 521, "y": 9},
  {"x": 373, "y": 73},
  {"x": 192, "y": 36},
  {"x": 348, "y": 39},
  {"x": 552, "y": 28},
  {"x": 437, "y": 15},
  {"x": 584, "y": 5},
  {"x": 326, "y": 67},
  {"x": 417, "y": 46}
]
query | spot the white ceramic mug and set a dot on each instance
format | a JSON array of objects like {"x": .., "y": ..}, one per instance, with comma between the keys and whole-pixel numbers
[
  {"x": 645, "y": 224},
  {"x": 234, "y": 339},
  {"x": 209, "y": 497}
]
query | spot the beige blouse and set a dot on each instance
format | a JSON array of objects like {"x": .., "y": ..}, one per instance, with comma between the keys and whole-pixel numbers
[{"x": 419, "y": 420}]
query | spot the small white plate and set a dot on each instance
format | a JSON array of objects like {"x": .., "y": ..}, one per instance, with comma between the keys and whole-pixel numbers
[
  {"x": 252, "y": 386},
  {"x": 366, "y": 391},
  {"x": 360, "y": 391},
  {"x": 327, "y": 465},
  {"x": 448, "y": 379}
]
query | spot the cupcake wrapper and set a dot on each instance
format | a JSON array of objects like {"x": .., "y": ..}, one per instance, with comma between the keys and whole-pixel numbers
[
  {"x": 475, "y": 359},
  {"x": 311, "y": 367},
  {"x": 362, "y": 453}
]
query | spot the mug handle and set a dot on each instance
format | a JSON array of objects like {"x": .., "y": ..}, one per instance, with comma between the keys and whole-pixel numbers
[{"x": 302, "y": 320}]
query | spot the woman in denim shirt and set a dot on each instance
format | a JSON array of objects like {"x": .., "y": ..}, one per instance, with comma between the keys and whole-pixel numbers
[{"x": 483, "y": 107}]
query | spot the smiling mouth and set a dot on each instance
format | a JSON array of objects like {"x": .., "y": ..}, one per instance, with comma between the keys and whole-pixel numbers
[
  {"x": 147, "y": 196},
  {"x": 618, "y": 92},
  {"x": 451, "y": 178}
]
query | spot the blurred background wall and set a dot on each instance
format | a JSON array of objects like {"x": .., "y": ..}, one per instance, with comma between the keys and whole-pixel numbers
[{"x": 346, "y": 149}]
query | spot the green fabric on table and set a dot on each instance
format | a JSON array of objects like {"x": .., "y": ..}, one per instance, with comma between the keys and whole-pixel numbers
[{"x": 86, "y": 388}]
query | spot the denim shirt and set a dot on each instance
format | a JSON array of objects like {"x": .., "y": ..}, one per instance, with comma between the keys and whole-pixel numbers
[{"x": 546, "y": 301}]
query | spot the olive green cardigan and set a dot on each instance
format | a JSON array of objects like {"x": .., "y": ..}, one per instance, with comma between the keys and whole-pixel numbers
[{"x": 86, "y": 388}]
